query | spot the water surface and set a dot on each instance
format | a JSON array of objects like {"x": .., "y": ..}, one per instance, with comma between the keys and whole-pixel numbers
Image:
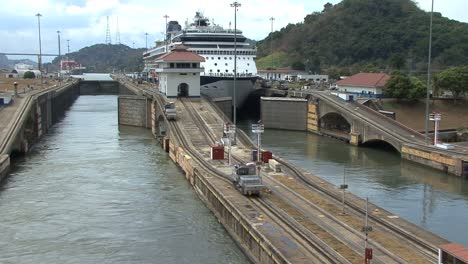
[{"x": 93, "y": 193}]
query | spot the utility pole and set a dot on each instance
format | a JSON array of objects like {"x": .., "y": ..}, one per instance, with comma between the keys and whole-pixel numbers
[
  {"x": 426, "y": 135},
  {"x": 436, "y": 117},
  {"x": 235, "y": 5},
  {"x": 343, "y": 187},
  {"x": 271, "y": 35},
  {"x": 271, "y": 40},
  {"x": 146, "y": 39},
  {"x": 229, "y": 130},
  {"x": 367, "y": 229},
  {"x": 165, "y": 35},
  {"x": 60, "y": 54},
  {"x": 40, "y": 45},
  {"x": 68, "y": 46},
  {"x": 258, "y": 129}
]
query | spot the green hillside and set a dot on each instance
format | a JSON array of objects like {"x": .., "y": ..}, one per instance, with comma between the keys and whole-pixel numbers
[
  {"x": 367, "y": 35},
  {"x": 107, "y": 58}
]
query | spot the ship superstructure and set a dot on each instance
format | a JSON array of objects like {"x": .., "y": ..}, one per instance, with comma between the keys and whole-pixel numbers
[{"x": 216, "y": 44}]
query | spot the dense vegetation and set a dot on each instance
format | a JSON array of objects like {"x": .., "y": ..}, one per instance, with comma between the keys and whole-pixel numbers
[
  {"x": 454, "y": 79},
  {"x": 29, "y": 75},
  {"x": 366, "y": 35},
  {"x": 108, "y": 58},
  {"x": 401, "y": 86}
]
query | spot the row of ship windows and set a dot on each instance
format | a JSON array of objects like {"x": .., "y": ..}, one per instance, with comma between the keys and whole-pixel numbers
[
  {"x": 216, "y": 64},
  {"x": 219, "y": 58},
  {"x": 230, "y": 52},
  {"x": 226, "y": 70}
]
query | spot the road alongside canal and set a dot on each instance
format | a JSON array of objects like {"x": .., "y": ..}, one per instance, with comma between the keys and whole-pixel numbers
[{"x": 93, "y": 193}]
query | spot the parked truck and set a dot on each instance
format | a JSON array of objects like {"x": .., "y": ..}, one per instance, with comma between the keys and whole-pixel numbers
[{"x": 246, "y": 180}]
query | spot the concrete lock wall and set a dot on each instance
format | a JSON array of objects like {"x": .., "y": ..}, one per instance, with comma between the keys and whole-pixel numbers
[
  {"x": 34, "y": 119},
  {"x": 4, "y": 165},
  {"x": 134, "y": 110},
  {"x": 284, "y": 113},
  {"x": 225, "y": 105},
  {"x": 102, "y": 88}
]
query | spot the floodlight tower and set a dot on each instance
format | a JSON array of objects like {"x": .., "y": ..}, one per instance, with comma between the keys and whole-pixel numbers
[
  {"x": 39, "y": 64},
  {"x": 426, "y": 134},
  {"x": 165, "y": 35},
  {"x": 236, "y": 5}
]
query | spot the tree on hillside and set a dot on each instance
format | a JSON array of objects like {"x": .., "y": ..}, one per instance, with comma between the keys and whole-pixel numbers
[
  {"x": 333, "y": 73},
  {"x": 401, "y": 86},
  {"x": 29, "y": 75},
  {"x": 418, "y": 89},
  {"x": 397, "y": 62},
  {"x": 327, "y": 7},
  {"x": 298, "y": 65},
  {"x": 385, "y": 33},
  {"x": 454, "y": 79}
]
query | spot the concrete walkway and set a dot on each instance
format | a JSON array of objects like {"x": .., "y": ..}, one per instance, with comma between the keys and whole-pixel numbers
[{"x": 8, "y": 114}]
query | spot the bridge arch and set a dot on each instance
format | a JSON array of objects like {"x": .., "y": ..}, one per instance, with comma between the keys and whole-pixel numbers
[
  {"x": 381, "y": 144},
  {"x": 336, "y": 122}
]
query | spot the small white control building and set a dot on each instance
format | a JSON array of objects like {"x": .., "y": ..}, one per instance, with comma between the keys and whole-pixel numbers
[{"x": 179, "y": 73}]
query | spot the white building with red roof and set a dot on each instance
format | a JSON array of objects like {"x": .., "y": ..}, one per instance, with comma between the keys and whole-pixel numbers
[
  {"x": 365, "y": 84},
  {"x": 179, "y": 73}
]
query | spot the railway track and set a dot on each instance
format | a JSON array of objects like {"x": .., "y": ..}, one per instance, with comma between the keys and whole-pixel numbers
[
  {"x": 303, "y": 235},
  {"x": 426, "y": 249},
  {"x": 313, "y": 244},
  {"x": 423, "y": 247}
]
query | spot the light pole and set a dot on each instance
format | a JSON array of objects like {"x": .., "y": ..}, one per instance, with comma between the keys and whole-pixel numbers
[
  {"x": 343, "y": 187},
  {"x": 165, "y": 35},
  {"x": 59, "y": 53},
  {"x": 271, "y": 40},
  {"x": 229, "y": 130},
  {"x": 40, "y": 45},
  {"x": 235, "y": 5},
  {"x": 258, "y": 129},
  {"x": 146, "y": 39},
  {"x": 436, "y": 117},
  {"x": 426, "y": 135}
]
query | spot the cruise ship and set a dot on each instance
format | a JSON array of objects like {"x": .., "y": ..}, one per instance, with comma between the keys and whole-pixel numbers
[{"x": 216, "y": 44}]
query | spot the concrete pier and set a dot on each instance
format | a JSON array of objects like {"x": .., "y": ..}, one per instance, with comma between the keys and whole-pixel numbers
[
  {"x": 284, "y": 113},
  {"x": 134, "y": 110}
]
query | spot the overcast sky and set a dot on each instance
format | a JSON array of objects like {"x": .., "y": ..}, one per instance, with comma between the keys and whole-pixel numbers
[{"x": 83, "y": 22}]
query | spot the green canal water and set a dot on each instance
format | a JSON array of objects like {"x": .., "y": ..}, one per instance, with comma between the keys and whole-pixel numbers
[
  {"x": 91, "y": 192},
  {"x": 426, "y": 197}
]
